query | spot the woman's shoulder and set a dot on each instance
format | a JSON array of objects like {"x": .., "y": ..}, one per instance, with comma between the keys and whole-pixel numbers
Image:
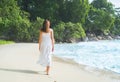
[{"x": 51, "y": 30}]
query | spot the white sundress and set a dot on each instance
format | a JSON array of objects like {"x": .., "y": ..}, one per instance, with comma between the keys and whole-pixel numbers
[{"x": 45, "y": 50}]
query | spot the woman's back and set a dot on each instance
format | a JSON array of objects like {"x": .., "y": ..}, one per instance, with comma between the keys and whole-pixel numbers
[{"x": 46, "y": 38}]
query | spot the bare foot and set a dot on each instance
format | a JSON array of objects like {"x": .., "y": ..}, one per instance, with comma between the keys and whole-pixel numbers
[{"x": 47, "y": 73}]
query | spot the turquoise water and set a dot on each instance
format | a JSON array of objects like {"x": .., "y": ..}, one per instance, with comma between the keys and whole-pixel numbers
[{"x": 100, "y": 54}]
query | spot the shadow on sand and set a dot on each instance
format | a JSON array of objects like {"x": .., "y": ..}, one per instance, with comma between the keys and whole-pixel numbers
[{"x": 22, "y": 71}]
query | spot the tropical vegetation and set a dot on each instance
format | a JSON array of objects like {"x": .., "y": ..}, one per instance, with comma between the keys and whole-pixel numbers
[{"x": 21, "y": 20}]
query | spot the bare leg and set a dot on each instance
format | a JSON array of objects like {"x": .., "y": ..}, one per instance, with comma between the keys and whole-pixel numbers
[{"x": 47, "y": 70}]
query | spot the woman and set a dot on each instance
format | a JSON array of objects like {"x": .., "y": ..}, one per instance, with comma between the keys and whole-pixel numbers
[{"x": 46, "y": 45}]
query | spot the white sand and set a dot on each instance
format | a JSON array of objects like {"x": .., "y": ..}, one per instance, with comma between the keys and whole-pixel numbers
[{"x": 18, "y": 64}]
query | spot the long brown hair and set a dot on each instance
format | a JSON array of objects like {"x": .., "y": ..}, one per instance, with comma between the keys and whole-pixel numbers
[{"x": 44, "y": 28}]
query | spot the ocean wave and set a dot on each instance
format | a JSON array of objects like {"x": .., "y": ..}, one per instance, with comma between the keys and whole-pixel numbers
[{"x": 99, "y": 54}]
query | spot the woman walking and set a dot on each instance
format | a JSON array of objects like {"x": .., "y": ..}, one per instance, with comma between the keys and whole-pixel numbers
[{"x": 46, "y": 45}]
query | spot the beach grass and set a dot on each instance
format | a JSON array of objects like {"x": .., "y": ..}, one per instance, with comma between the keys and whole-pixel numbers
[{"x": 6, "y": 42}]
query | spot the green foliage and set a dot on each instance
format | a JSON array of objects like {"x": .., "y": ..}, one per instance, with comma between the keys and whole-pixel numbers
[
  {"x": 73, "y": 10},
  {"x": 22, "y": 30},
  {"x": 35, "y": 29},
  {"x": 101, "y": 17},
  {"x": 73, "y": 30},
  {"x": 20, "y": 20},
  {"x": 40, "y": 8},
  {"x": 65, "y": 32},
  {"x": 99, "y": 21},
  {"x": 5, "y": 42},
  {"x": 59, "y": 32},
  {"x": 9, "y": 9},
  {"x": 116, "y": 29},
  {"x": 57, "y": 10},
  {"x": 103, "y": 5},
  {"x": 13, "y": 22}
]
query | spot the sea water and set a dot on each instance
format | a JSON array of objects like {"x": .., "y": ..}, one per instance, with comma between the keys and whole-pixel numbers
[{"x": 99, "y": 54}]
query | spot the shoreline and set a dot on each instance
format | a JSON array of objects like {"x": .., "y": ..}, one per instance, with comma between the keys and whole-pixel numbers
[{"x": 90, "y": 69}]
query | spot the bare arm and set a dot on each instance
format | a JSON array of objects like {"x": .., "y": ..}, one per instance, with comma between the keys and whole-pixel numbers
[
  {"x": 40, "y": 38},
  {"x": 53, "y": 40}
]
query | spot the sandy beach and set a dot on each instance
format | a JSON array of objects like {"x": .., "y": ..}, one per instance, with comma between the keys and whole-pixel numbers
[{"x": 18, "y": 64}]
